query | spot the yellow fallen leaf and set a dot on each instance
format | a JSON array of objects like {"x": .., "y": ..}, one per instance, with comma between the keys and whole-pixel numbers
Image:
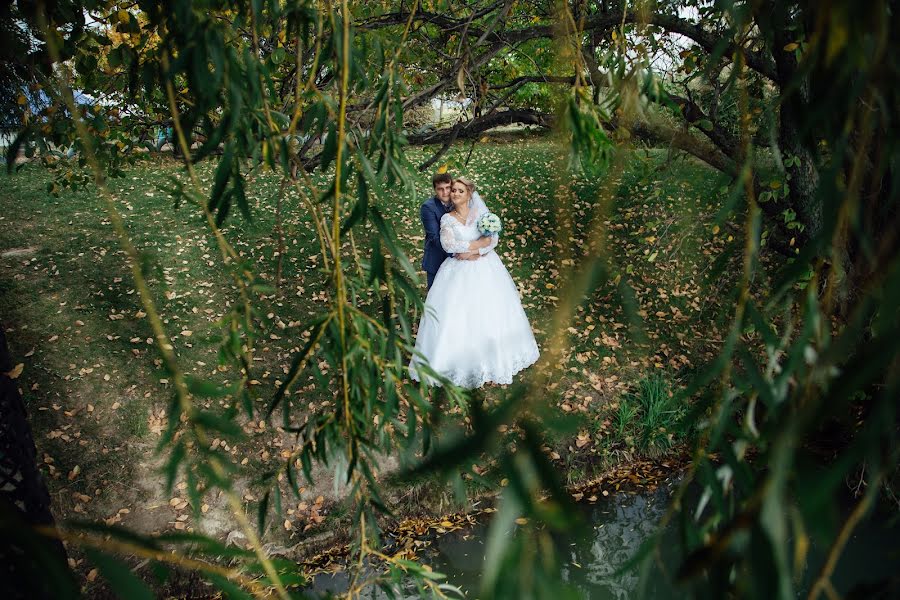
[{"x": 17, "y": 370}]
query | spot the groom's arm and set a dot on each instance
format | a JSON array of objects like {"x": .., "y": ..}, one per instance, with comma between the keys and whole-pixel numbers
[{"x": 431, "y": 225}]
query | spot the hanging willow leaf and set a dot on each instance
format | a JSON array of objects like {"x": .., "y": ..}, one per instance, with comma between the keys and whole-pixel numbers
[{"x": 119, "y": 576}]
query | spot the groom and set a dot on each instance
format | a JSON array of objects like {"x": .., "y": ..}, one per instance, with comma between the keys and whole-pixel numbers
[{"x": 431, "y": 212}]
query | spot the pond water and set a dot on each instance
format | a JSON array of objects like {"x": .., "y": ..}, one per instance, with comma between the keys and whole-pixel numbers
[{"x": 619, "y": 525}]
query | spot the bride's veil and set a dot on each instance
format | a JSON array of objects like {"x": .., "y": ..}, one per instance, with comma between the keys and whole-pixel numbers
[{"x": 477, "y": 207}]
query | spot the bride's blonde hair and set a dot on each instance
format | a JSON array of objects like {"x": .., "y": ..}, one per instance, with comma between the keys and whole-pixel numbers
[{"x": 468, "y": 183}]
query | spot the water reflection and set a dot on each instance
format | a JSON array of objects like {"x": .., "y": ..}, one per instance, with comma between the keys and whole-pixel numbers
[{"x": 618, "y": 525}]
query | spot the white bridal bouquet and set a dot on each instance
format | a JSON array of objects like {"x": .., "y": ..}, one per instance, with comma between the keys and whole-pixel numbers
[{"x": 489, "y": 224}]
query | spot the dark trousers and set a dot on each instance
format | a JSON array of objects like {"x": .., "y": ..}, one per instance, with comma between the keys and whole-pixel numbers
[{"x": 430, "y": 278}]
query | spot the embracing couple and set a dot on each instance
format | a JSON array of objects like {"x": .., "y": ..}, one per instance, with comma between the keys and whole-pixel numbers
[{"x": 474, "y": 330}]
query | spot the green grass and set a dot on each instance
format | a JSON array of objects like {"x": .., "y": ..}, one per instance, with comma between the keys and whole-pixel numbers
[
  {"x": 660, "y": 416},
  {"x": 99, "y": 382},
  {"x": 626, "y": 417}
]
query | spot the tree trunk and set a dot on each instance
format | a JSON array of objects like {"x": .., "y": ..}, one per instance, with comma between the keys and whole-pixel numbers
[
  {"x": 804, "y": 174},
  {"x": 31, "y": 566}
]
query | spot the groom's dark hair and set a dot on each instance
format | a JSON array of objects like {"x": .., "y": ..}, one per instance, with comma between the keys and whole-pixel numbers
[{"x": 441, "y": 178}]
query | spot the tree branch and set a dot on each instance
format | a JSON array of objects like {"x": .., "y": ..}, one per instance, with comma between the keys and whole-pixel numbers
[
  {"x": 710, "y": 41},
  {"x": 474, "y": 127}
]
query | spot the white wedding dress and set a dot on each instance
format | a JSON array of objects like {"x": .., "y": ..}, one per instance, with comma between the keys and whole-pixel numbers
[{"x": 474, "y": 329}]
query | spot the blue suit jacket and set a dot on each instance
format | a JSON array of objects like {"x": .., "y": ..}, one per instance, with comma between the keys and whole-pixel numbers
[{"x": 431, "y": 212}]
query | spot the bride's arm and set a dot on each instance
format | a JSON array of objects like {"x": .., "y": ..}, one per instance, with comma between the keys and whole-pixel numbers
[{"x": 491, "y": 245}]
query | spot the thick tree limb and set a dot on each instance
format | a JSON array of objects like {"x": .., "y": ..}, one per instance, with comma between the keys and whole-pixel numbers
[
  {"x": 655, "y": 130},
  {"x": 727, "y": 143},
  {"x": 523, "y": 79},
  {"x": 475, "y": 127},
  {"x": 710, "y": 41}
]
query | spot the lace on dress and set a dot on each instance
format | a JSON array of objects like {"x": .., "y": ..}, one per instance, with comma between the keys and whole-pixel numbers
[{"x": 452, "y": 243}]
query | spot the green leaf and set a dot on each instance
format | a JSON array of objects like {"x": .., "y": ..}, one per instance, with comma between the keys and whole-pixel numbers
[
  {"x": 213, "y": 141},
  {"x": 358, "y": 213},
  {"x": 499, "y": 538},
  {"x": 231, "y": 591},
  {"x": 223, "y": 174},
  {"x": 276, "y": 494},
  {"x": 123, "y": 582},
  {"x": 224, "y": 209},
  {"x": 217, "y": 422},
  {"x": 205, "y": 388},
  {"x": 241, "y": 195},
  {"x": 261, "y": 512},
  {"x": 202, "y": 544},
  {"x": 329, "y": 148},
  {"x": 376, "y": 262},
  {"x": 175, "y": 458}
]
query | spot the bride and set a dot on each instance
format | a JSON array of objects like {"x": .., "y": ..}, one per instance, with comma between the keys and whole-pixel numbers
[{"x": 474, "y": 330}]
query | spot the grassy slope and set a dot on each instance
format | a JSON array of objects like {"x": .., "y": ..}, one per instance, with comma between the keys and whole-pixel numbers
[{"x": 97, "y": 395}]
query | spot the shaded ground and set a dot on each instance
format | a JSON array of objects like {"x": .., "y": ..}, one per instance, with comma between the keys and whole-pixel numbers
[{"x": 92, "y": 378}]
